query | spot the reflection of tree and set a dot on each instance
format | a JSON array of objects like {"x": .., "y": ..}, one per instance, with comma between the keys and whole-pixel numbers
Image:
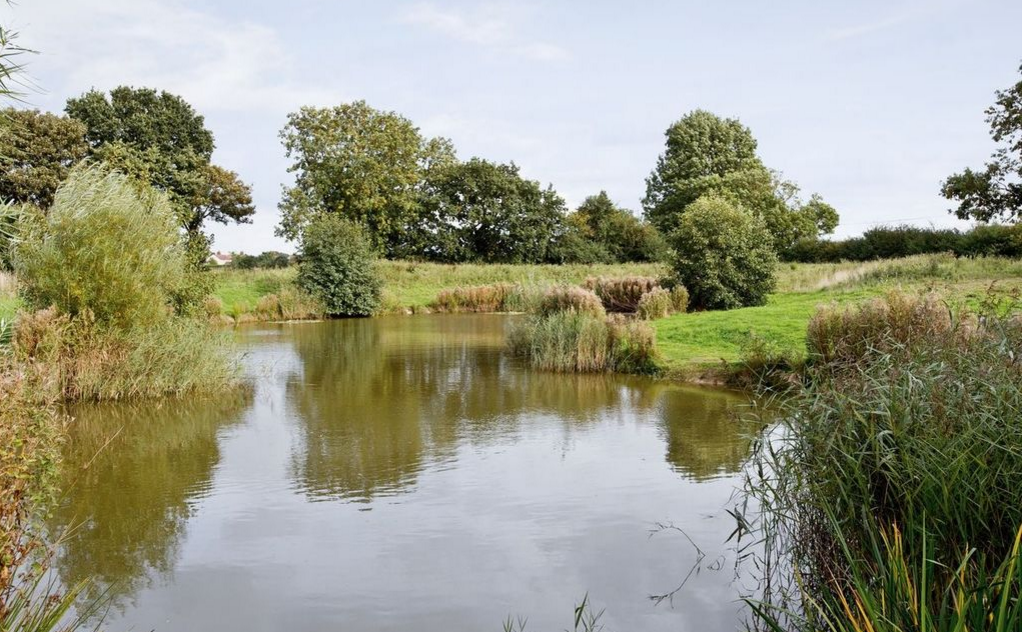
[
  {"x": 378, "y": 399},
  {"x": 132, "y": 474},
  {"x": 704, "y": 436}
]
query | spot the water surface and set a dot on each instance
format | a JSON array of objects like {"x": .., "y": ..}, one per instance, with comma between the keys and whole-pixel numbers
[{"x": 405, "y": 474}]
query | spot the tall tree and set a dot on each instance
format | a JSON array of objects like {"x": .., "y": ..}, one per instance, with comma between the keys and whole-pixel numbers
[
  {"x": 39, "y": 150},
  {"x": 996, "y": 191},
  {"x": 706, "y": 155},
  {"x": 364, "y": 164},
  {"x": 157, "y": 137},
  {"x": 483, "y": 211}
]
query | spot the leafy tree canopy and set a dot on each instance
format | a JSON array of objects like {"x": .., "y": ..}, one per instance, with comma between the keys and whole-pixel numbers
[
  {"x": 706, "y": 155},
  {"x": 484, "y": 211},
  {"x": 158, "y": 138},
  {"x": 616, "y": 230},
  {"x": 38, "y": 152},
  {"x": 360, "y": 163},
  {"x": 996, "y": 191}
]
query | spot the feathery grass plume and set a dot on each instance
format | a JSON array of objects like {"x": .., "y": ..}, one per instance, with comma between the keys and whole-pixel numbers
[
  {"x": 563, "y": 298},
  {"x": 621, "y": 294},
  {"x": 655, "y": 304}
]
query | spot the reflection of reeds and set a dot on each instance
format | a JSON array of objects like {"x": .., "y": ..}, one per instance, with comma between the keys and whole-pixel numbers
[{"x": 893, "y": 489}]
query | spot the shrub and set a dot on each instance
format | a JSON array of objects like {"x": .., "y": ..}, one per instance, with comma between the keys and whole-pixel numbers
[
  {"x": 723, "y": 255},
  {"x": 105, "y": 246},
  {"x": 338, "y": 267},
  {"x": 655, "y": 304},
  {"x": 570, "y": 299},
  {"x": 621, "y": 294}
]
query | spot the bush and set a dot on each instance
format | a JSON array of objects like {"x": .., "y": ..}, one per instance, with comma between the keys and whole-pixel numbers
[
  {"x": 338, "y": 267},
  {"x": 723, "y": 255},
  {"x": 655, "y": 304},
  {"x": 106, "y": 247},
  {"x": 621, "y": 294},
  {"x": 570, "y": 299}
]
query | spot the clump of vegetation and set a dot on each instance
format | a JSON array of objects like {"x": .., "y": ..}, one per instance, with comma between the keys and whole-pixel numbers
[
  {"x": 723, "y": 255},
  {"x": 573, "y": 335},
  {"x": 846, "y": 335},
  {"x": 570, "y": 299},
  {"x": 338, "y": 267},
  {"x": 621, "y": 294},
  {"x": 679, "y": 299},
  {"x": 892, "y": 485},
  {"x": 476, "y": 298},
  {"x": 101, "y": 268},
  {"x": 104, "y": 246},
  {"x": 657, "y": 303}
]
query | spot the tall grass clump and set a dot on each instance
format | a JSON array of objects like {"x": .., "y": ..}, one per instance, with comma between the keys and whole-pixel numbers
[
  {"x": 657, "y": 303},
  {"x": 476, "y": 298},
  {"x": 101, "y": 270},
  {"x": 574, "y": 341},
  {"x": 570, "y": 299},
  {"x": 621, "y": 294},
  {"x": 889, "y": 498}
]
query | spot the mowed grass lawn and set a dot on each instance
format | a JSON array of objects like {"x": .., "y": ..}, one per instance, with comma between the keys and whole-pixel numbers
[{"x": 701, "y": 339}]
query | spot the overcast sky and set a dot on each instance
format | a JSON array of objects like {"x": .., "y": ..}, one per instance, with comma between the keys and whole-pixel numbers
[{"x": 869, "y": 103}]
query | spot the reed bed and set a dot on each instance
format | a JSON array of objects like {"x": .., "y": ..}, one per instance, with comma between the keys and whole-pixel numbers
[
  {"x": 889, "y": 500},
  {"x": 573, "y": 341},
  {"x": 621, "y": 294}
]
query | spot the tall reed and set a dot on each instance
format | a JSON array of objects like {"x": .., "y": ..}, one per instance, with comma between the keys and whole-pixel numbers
[{"x": 891, "y": 494}]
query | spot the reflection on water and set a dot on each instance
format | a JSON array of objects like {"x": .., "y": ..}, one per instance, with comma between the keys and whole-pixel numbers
[{"x": 403, "y": 473}]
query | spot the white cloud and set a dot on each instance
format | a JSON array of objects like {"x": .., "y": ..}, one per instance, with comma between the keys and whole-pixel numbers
[
  {"x": 213, "y": 63},
  {"x": 491, "y": 26}
]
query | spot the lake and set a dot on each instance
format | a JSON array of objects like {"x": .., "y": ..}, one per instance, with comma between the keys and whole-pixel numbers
[{"x": 404, "y": 473}]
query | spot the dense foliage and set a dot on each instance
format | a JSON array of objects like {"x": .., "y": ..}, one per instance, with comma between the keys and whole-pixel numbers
[
  {"x": 723, "y": 255},
  {"x": 615, "y": 233},
  {"x": 707, "y": 155},
  {"x": 890, "y": 242},
  {"x": 267, "y": 260},
  {"x": 106, "y": 248},
  {"x": 38, "y": 151},
  {"x": 486, "y": 212},
  {"x": 892, "y": 484},
  {"x": 158, "y": 138},
  {"x": 996, "y": 191},
  {"x": 337, "y": 266},
  {"x": 360, "y": 163}
]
